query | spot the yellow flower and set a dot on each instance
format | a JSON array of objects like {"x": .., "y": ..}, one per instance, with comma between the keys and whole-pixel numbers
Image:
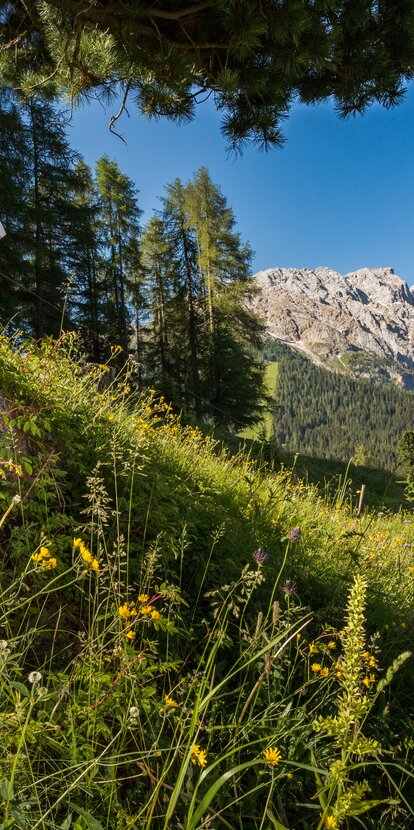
[
  {"x": 331, "y": 644},
  {"x": 155, "y": 614},
  {"x": 37, "y": 557},
  {"x": 95, "y": 565},
  {"x": 86, "y": 556},
  {"x": 198, "y": 756},
  {"x": 367, "y": 681},
  {"x": 372, "y": 661},
  {"x": 272, "y": 756},
  {"x": 131, "y": 635},
  {"x": 313, "y": 649},
  {"x": 123, "y": 611},
  {"x": 316, "y": 667},
  {"x": 325, "y": 671},
  {"x": 169, "y": 701},
  {"x": 44, "y": 552},
  {"x": 330, "y": 822},
  {"x": 51, "y": 563},
  {"x": 143, "y": 597},
  {"x": 410, "y": 569},
  {"x": 145, "y": 610}
]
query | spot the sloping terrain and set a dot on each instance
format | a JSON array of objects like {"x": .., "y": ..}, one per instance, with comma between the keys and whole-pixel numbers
[{"x": 361, "y": 323}]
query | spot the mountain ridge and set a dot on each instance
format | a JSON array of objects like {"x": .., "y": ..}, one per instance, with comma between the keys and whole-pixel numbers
[{"x": 360, "y": 323}]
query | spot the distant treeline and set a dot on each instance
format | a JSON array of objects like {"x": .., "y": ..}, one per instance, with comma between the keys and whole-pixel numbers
[{"x": 329, "y": 415}]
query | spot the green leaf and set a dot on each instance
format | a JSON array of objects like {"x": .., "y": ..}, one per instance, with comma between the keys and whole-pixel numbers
[
  {"x": 206, "y": 801},
  {"x": 364, "y": 806},
  {"x": 275, "y": 822},
  {"x": 92, "y": 823},
  {"x": 5, "y": 791},
  {"x": 67, "y": 823},
  {"x": 20, "y": 688}
]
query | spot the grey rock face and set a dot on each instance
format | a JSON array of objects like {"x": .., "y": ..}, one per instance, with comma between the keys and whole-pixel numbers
[{"x": 362, "y": 323}]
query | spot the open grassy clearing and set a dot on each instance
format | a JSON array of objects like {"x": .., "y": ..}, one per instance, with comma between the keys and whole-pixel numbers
[{"x": 188, "y": 612}]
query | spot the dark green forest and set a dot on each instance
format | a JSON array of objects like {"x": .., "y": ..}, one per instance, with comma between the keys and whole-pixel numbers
[
  {"x": 170, "y": 296},
  {"x": 330, "y": 415}
]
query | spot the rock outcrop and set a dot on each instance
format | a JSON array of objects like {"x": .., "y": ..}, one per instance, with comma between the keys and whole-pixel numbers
[{"x": 361, "y": 323}]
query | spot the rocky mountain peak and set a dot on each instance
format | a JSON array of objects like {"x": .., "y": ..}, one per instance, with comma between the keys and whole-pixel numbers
[{"x": 361, "y": 322}]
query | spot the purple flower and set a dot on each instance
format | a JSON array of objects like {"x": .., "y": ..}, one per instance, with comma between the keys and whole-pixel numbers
[
  {"x": 259, "y": 556},
  {"x": 294, "y": 534},
  {"x": 288, "y": 587}
]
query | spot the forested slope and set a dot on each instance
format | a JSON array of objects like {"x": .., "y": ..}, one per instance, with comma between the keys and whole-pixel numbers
[{"x": 331, "y": 415}]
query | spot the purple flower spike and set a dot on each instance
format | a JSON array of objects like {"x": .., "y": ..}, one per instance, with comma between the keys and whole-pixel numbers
[
  {"x": 294, "y": 534},
  {"x": 259, "y": 556},
  {"x": 289, "y": 587}
]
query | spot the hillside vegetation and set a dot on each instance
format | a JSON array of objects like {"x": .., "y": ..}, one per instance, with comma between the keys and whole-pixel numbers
[
  {"x": 332, "y": 415},
  {"x": 189, "y": 640}
]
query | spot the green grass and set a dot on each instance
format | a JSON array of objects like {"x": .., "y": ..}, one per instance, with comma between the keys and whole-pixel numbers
[
  {"x": 174, "y": 666},
  {"x": 265, "y": 429}
]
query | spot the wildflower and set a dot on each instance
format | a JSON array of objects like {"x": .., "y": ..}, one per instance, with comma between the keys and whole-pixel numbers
[
  {"x": 198, "y": 756},
  {"x": 155, "y": 614},
  {"x": 313, "y": 649},
  {"x": 95, "y": 565},
  {"x": 131, "y": 635},
  {"x": 51, "y": 563},
  {"x": 331, "y": 645},
  {"x": 259, "y": 556},
  {"x": 316, "y": 667},
  {"x": 35, "y": 677},
  {"x": 330, "y": 822},
  {"x": 44, "y": 553},
  {"x": 325, "y": 671},
  {"x": 145, "y": 610},
  {"x": 272, "y": 756},
  {"x": 368, "y": 681},
  {"x": 133, "y": 711},
  {"x": 169, "y": 701},
  {"x": 288, "y": 587},
  {"x": 143, "y": 598},
  {"x": 123, "y": 611},
  {"x": 294, "y": 534}
]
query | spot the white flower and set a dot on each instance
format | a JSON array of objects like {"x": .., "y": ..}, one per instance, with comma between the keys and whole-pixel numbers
[
  {"x": 35, "y": 677},
  {"x": 3, "y": 645},
  {"x": 134, "y": 711}
]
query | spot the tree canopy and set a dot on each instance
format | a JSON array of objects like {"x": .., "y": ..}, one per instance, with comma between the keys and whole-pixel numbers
[{"x": 254, "y": 57}]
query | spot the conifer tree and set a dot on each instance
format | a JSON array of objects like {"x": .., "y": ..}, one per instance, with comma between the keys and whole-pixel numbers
[
  {"x": 231, "y": 333},
  {"x": 119, "y": 227},
  {"x": 13, "y": 211},
  {"x": 252, "y": 58},
  {"x": 183, "y": 241},
  {"x": 53, "y": 218},
  {"x": 165, "y": 350},
  {"x": 86, "y": 295}
]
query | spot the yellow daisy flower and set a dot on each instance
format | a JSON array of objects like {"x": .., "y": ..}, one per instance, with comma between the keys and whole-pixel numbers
[{"x": 272, "y": 756}]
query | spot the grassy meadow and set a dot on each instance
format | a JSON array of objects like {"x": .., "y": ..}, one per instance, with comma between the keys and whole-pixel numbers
[{"x": 188, "y": 639}]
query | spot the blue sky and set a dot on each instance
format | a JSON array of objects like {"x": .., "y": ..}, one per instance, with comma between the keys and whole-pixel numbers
[{"x": 339, "y": 193}]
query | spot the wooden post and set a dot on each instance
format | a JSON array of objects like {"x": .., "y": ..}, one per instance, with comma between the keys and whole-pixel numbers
[{"x": 361, "y": 500}]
